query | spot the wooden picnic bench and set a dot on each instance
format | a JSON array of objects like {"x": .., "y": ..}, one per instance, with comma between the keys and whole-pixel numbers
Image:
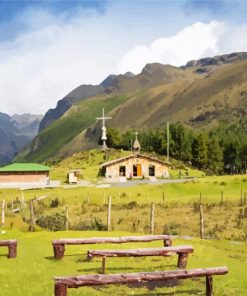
[
  {"x": 181, "y": 251},
  {"x": 59, "y": 244},
  {"x": 12, "y": 247},
  {"x": 63, "y": 283}
]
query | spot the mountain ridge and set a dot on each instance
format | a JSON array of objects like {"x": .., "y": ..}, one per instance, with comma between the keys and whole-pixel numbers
[{"x": 158, "y": 94}]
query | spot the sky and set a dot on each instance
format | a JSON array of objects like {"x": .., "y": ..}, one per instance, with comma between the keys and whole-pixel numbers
[{"x": 49, "y": 47}]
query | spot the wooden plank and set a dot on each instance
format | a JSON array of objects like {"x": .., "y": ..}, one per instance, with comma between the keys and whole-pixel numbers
[
  {"x": 127, "y": 278},
  {"x": 8, "y": 242},
  {"x": 12, "y": 247},
  {"x": 165, "y": 251},
  {"x": 113, "y": 240}
]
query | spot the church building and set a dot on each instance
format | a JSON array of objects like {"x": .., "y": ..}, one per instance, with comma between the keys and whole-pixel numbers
[{"x": 135, "y": 165}]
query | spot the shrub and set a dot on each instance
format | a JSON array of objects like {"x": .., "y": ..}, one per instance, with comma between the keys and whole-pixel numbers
[
  {"x": 54, "y": 203},
  {"x": 172, "y": 229},
  {"x": 95, "y": 224},
  {"x": 53, "y": 222}
]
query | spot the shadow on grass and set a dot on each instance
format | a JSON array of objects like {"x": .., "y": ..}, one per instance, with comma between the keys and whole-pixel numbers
[
  {"x": 4, "y": 255},
  {"x": 120, "y": 269},
  {"x": 70, "y": 255},
  {"x": 177, "y": 292}
]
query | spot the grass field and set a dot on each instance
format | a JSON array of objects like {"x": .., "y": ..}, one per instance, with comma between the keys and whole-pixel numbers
[
  {"x": 33, "y": 270},
  {"x": 175, "y": 213}
]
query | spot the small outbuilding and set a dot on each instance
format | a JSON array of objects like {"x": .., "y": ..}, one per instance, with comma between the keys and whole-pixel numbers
[
  {"x": 25, "y": 173},
  {"x": 73, "y": 176},
  {"x": 136, "y": 165}
]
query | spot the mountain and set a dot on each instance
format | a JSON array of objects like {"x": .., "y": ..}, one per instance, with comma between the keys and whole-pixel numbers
[
  {"x": 15, "y": 133},
  {"x": 81, "y": 92},
  {"x": 150, "y": 76},
  {"x": 200, "y": 94}
]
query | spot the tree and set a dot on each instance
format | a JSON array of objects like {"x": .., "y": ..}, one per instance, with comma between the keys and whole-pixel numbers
[
  {"x": 231, "y": 158},
  {"x": 200, "y": 152},
  {"x": 215, "y": 157},
  {"x": 113, "y": 137}
]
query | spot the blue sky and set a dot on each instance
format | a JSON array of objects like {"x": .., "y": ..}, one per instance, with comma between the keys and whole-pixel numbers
[{"x": 47, "y": 48}]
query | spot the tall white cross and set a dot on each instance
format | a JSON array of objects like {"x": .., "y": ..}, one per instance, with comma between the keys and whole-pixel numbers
[{"x": 103, "y": 137}]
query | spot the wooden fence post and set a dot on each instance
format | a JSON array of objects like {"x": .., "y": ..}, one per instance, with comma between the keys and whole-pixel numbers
[
  {"x": 67, "y": 217},
  {"x": 104, "y": 198},
  {"x": 201, "y": 221},
  {"x": 152, "y": 218},
  {"x": 12, "y": 203},
  {"x": 22, "y": 200},
  {"x": 222, "y": 198},
  {"x": 163, "y": 196},
  {"x": 32, "y": 220},
  {"x": 88, "y": 198},
  {"x": 200, "y": 198},
  {"x": 109, "y": 214},
  {"x": 3, "y": 213}
]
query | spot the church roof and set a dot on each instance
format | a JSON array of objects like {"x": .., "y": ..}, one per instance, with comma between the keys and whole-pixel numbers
[{"x": 121, "y": 159}]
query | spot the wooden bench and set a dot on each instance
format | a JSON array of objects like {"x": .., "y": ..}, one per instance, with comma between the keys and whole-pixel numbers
[
  {"x": 59, "y": 244},
  {"x": 181, "y": 251},
  {"x": 63, "y": 283},
  {"x": 12, "y": 246}
]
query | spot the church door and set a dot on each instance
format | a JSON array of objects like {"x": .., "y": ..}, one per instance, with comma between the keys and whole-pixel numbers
[{"x": 139, "y": 170}]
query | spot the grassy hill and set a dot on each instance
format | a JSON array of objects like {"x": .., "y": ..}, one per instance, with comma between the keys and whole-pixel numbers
[
  {"x": 52, "y": 139},
  {"x": 158, "y": 94}
]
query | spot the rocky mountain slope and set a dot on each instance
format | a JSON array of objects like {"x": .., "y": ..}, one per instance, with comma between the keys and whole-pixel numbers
[
  {"x": 15, "y": 133},
  {"x": 200, "y": 94}
]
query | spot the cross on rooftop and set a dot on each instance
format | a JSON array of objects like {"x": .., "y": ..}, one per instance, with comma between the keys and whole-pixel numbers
[{"x": 136, "y": 133}]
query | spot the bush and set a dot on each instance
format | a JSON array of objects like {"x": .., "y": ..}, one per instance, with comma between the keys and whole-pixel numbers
[
  {"x": 172, "y": 229},
  {"x": 54, "y": 203},
  {"x": 95, "y": 224},
  {"x": 54, "y": 222}
]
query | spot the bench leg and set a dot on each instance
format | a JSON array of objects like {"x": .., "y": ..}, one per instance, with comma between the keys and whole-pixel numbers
[
  {"x": 58, "y": 251},
  {"x": 60, "y": 290},
  {"x": 103, "y": 265},
  {"x": 182, "y": 260},
  {"x": 12, "y": 251},
  {"x": 209, "y": 285},
  {"x": 167, "y": 242}
]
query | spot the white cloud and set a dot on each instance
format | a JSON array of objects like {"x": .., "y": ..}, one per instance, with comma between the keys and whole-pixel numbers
[
  {"x": 192, "y": 42},
  {"x": 57, "y": 54},
  {"x": 41, "y": 66}
]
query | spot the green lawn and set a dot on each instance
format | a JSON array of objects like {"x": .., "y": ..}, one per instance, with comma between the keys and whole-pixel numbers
[
  {"x": 189, "y": 192},
  {"x": 33, "y": 270}
]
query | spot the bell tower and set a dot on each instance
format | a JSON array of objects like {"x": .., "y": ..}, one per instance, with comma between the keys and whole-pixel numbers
[{"x": 136, "y": 149}]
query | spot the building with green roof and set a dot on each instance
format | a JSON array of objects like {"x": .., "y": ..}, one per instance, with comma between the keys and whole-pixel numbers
[{"x": 24, "y": 173}]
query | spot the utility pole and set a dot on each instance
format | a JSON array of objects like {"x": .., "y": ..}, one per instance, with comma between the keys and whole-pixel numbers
[{"x": 168, "y": 140}]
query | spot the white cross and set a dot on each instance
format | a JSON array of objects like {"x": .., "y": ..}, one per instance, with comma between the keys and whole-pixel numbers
[
  {"x": 103, "y": 137},
  {"x": 103, "y": 118}
]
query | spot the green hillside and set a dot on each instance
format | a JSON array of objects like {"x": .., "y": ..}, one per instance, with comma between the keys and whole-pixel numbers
[
  {"x": 198, "y": 101},
  {"x": 62, "y": 131}
]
